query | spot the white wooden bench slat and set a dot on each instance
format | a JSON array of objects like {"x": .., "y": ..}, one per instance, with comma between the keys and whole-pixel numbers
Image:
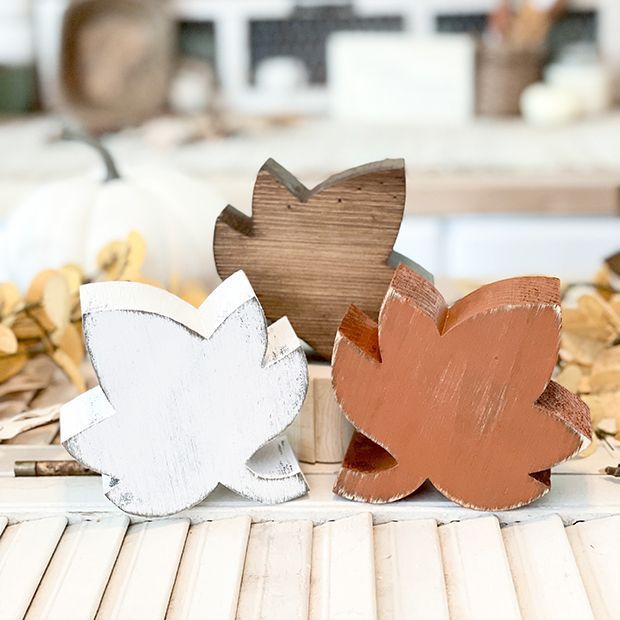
[
  {"x": 78, "y": 573},
  {"x": 25, "y": 551},
  {"x": 210, "y": 572}
]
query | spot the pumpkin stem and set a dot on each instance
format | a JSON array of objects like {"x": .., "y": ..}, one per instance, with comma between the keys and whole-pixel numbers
[{"x": 111, "y": 171}]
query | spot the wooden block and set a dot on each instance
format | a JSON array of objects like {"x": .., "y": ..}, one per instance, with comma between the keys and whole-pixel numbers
[
  {"x": 458, "y": 395},
  {"x": 320, "y": 433},
  {"x": 309, "y": 253},
  {"x": 187, "y": 397}
]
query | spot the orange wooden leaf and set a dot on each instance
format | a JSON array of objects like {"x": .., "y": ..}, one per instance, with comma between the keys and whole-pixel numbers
[
  {"x": 459, "y": 395},
  {"x": 309, "y": 253}
]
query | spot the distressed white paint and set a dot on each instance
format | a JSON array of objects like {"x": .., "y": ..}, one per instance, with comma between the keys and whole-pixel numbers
[
  {"x": 210, "y": 572},
  {"x": 343, "y": 570},
  {"x": 596, "y": 547},
  {"x": 545, "y": 573},
  {"x": 478, "y": 578},
  {"x": 144, "y": 573},
  {"x": 77, "y": 575},
  {"x": 186, "y": 397},
  {"x": 276, "y": 577},
  {"x": 25, "y": 551},
  {"x": 409, "y": 571}
]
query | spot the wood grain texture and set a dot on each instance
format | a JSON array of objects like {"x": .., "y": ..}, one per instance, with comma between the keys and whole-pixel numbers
[
  {"x": 188, "y": 398},
  {"x": 458, "y": 395},
  {"x": 309, "y": 253}
]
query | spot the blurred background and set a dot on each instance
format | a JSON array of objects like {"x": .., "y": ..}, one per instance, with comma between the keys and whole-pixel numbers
[{"x": 505, "y": 112}]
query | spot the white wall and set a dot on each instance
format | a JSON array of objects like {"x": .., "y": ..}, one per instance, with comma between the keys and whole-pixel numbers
[{"x": 490, "y": 247}]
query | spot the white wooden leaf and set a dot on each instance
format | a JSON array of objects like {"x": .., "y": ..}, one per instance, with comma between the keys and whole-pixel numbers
[{"x": 187, "y": 398}]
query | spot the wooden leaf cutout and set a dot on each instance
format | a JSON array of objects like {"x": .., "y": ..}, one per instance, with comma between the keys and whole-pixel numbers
[
  {"x": 188, "y": 398},
  {"x": 460, "y": 396},
  {"x": 309, "y": 253}
]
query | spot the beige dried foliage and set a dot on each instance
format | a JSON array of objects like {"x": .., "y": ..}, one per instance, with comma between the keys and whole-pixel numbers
[
  {"x": 70, "y": 368},
  {"x": 8, "y": 340},
  {"x": 590, "y": 351},
  {"x": 47, "y": 319}
]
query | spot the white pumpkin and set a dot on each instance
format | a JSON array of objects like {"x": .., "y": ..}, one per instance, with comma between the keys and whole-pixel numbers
[{"x": 69, "y": 221}]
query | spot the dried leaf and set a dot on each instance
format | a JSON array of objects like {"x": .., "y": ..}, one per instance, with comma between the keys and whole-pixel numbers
[
  {"x": 604, "y": 405},
  {"x": 70, "y": 368},
  {"x": 56, "y": 300},
  {"x": 123, "y": 260},
  {"x": 595, "y": 305},
  {"x": 34, "y": 294},
  {"x": 579, "y": 349},
  {"x": 605, "y": 375},
  {"x": 8, "y": 340},
  {"x": 193, "y": 292},
  {"x": 591, "y": 448},
  {"x": 10, "y": 365},
  {"x": 71, "y": 343},
  {"x": 602, "y": 280},
  {"x": 27, "y": 328},
  {"x": 137, "y": 252},
  {"x": 74, "y": 277},
  {"x": 10, "y": 299},
  {"x": 580, "y": 322},
  {"x": 112, "y": 258},
  {"x": 570, "y": 377}
]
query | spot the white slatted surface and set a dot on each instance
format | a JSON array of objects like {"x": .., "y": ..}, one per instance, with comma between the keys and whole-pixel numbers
[
  {"x": 340, "y": 569},
  {"x": 276, "y": 577},
  {"x": 545, "y": 572},
  {"x": 25, "y": 551},
  {"x": 343, "y": 572},
  {"x": 145, "y": 571},
  {"x": 76, "y": 577},
  {"x": 596, "y": 547},
  {"x": 210, "y": 572},
  {"x": 409, "y": 571},
  {"x": 478, "y": 578}
]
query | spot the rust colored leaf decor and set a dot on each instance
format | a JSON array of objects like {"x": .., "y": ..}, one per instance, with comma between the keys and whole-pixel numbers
[
  {"x": 309, "y": 253},
  {"x": 459, "y": 395}
]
